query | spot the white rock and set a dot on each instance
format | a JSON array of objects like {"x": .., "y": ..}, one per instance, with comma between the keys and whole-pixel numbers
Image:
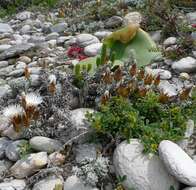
[
  {"x": 170, "y": 41},
  {"x": 187, "y": 64},
  {"x": 21, "y": 65},
  {"x": 184, "y": 76},
  {"x": 164, "y": 74},
  {"x": 15, "y": 184},
  {"x": 167, "y": 88},
  {"x": 52, "y": 43},
  {"x": 84, "y": 40},
  {"x": 4, "y": 47},
  {"x": 62, "y": 39},
  {"x": 74, "y": 183},
  {"x": 25, "y": 29},
  {"x": 190, "y": 188},
  {"x": 13, "y": 150},
  {"x": 133, "y": 18},
  {"x": 59, "y": 28},
  {"x": 48, "y": 183},
  {"x": 3, "y": 64},
  {"x": 156, "y": 36},
  {"x": 5, "y": 90},
  {"x": 4, "y": 166},
  {"x": 52, "y": 36},
  {"x": 178, "y": 163},
  {"x": 45, "y": 144},
  {"x": 93, "y": 49},
  {"x": 11, "y": 133},
  {"x": 102, "y": 34},
  {"x": 5, "y": 28},
  {"x": 23, "y": 15},
  {"x": 24, "y": 59},
  {"x": 29, "y": 165},
  {"x": 4, "y": 143},
  {"x": 143, "y": 172},
  {"x": 56, "y": 158},
  {"x": 78, "y": 117}
]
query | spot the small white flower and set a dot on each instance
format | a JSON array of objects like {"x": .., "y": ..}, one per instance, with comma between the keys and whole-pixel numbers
[
  {"x": 13, "y": 111},
  {"x": 32, "y": 99},
  {"x": 52, "y": 79}
]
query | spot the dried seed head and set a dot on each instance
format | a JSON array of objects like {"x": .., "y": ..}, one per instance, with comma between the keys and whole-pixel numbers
[
  {"x": 33, "y": 100},
  {"x": 157, "y": 80},
  {"x": 163, "y": 98},
  {"x": 118, "y": 74},
  {"x": 142, "y": 91},
  {"x": 52, "y": 79},
  {"x": 148, "y": 79},
  {"x": 141, "y": 74},
  {"x": 27, "y": 73},
  {"x": 185, "y": 93},
  {"x": 133, "y": 70},
  {"x": 14, "y": 114}
]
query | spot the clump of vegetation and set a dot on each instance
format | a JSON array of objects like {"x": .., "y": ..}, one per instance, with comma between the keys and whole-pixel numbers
[
  {"x": 131, "y": 106},
  {"x": 92, "y": 171},
  {"x": 25, "y": 149},
  {"x": 10, "y": 7},
  {"x": 146, "y": 119}
]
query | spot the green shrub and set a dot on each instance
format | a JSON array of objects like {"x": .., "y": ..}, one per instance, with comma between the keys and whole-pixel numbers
[{"x": 144, "y": 118}]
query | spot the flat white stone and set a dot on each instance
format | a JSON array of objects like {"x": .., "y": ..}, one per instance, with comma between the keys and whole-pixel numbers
[
  {"x": 4, "y": 47},
  {"x": 164, "y": 74},
  {"x": 177, "y": 162},
  {"x": 45, "y": 144},
  {"x": 102, "y": 34},
  {"x": 93, "y": 49},
  {"x": 187, "y": 64},
  {"x": 78, "y": 117},
  {"x": 29, "y": 165},
  {"x": 84, "y": 40},
  {"x": 170, "y": 41},
  {"x": 143, "y": 172},
  {"x": 190, "y": 188},
  {"x": 168, "y": 88},
  {"x": 15, "y": 184},
  {"x": 48, "y": 183},
  {"x": 5, "y": 28},
  {"x": 74, "y": 183}
]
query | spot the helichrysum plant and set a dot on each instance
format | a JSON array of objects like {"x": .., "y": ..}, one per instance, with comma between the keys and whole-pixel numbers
[{"x": 92, "y": 171}]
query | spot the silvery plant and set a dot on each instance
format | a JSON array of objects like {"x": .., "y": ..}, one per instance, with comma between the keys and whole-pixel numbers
[{"x": 92, "y": 171}]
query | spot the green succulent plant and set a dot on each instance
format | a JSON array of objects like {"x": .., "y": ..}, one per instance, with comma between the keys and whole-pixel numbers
[{"x": 122, "y": 43}]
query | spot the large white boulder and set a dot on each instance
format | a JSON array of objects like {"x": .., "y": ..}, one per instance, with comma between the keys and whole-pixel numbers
[
  {"x": 178, "y": 163},
  {"x": 143, "y": 171}
]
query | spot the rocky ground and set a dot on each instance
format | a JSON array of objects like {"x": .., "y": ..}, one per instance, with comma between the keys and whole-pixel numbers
[{"x": 45, "y": 155}]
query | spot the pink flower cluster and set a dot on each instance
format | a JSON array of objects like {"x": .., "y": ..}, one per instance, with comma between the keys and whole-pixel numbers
[{"x": 76, "y": 52}]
